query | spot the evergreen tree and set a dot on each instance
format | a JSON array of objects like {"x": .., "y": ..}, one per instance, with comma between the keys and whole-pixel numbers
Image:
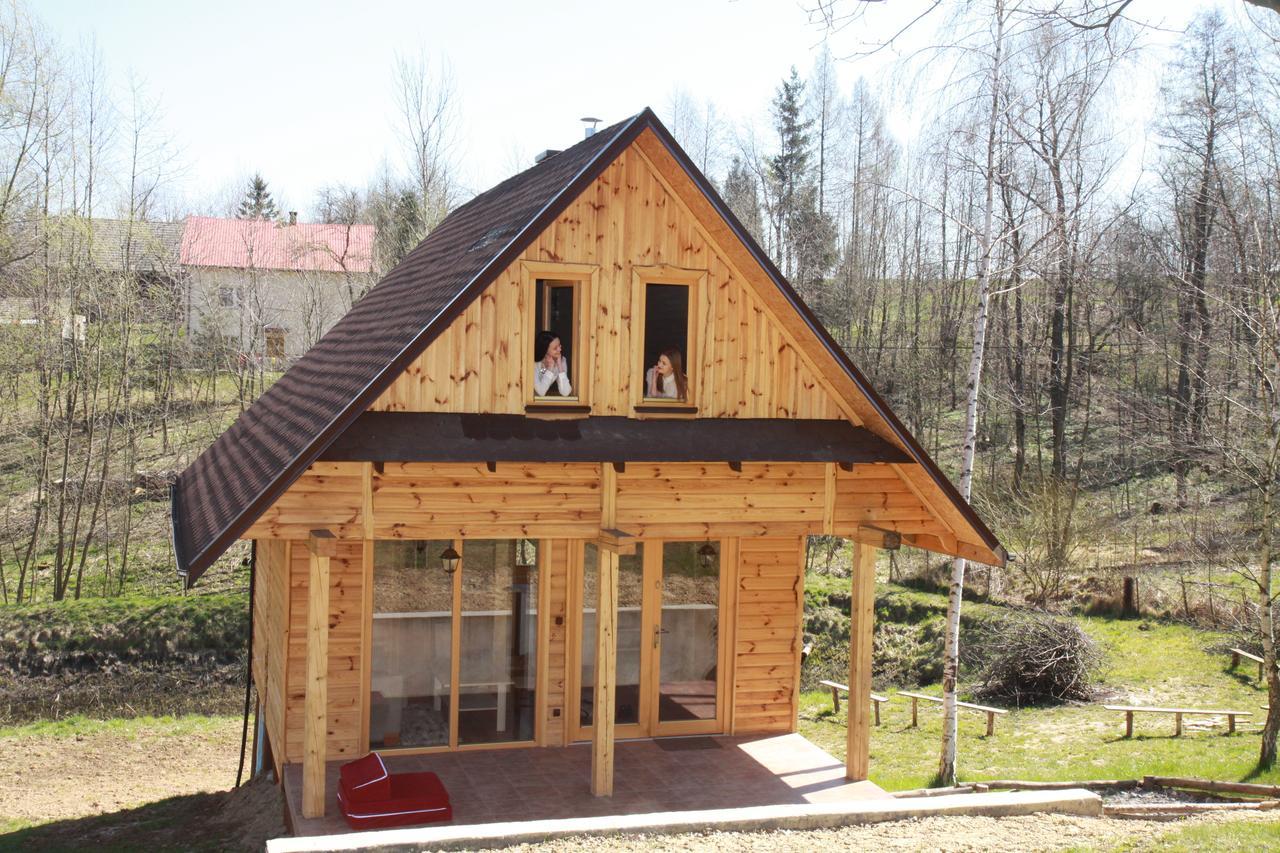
[
  {"x": 257, "y": 202},
  {"x": 789, "y": 168},
  {"x": 743, "y": 198}
]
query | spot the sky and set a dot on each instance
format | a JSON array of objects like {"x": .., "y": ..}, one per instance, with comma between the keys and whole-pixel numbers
[{"x": 302, "y": 91}]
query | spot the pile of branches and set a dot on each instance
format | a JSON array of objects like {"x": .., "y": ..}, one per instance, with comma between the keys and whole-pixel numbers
[{"x": 1036, "y": 659}]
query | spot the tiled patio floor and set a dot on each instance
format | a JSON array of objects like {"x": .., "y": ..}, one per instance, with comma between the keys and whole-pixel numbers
[{"x": 649, "y": 776}]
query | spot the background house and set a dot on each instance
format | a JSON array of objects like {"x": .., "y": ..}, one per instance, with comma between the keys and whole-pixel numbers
[{"x": 271, "y": 289}]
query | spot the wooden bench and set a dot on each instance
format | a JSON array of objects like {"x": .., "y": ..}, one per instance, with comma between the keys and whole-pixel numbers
[
  {"x": 836, "y": 687},
  {"x": 1130, "y": 710},
  {"x": 915, "y": 709},
  {"x": 1236, "y": 654}
]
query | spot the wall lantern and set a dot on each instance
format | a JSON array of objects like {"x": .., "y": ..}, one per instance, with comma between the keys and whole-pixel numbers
[
  {"x": 449, "y": 560},
  {"x": 706, "y": 555}
]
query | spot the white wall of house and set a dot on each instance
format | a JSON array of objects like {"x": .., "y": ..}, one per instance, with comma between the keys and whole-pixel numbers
[{"x": 241, "y": 303}]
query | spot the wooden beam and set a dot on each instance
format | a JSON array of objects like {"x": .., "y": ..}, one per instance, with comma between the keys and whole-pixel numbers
[
  {"x": 862, "y": 613},
  {"x": 606, "y": 676},
  {"x": 617, "y": 541},
  {"x": 829, "y": 500},
  {"x": 322, "y": 545},
  {"x": 608, "y": 496}
]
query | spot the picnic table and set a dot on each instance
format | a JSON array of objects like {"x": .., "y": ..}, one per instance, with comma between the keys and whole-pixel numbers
[
  {"x": 836, "y": 687},
  {"x": 916, "y": 698},
  {"x": 1130, "y": 710}
]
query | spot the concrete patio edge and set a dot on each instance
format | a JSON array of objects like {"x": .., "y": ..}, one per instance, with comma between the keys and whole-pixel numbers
[{"x": 1076, "y": 801}]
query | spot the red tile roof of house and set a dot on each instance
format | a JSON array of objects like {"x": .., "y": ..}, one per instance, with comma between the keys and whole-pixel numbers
[{"x": 262, "y": 244}]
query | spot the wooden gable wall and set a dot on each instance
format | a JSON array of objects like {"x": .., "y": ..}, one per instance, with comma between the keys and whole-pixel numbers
[{"x": 749, "y": 367}]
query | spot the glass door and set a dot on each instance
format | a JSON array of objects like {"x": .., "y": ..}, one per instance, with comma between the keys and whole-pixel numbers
[
  {"x": 631, "y": 703},
  {"x": 686, "y": 637},
  {"x": 669, "y": 650}
]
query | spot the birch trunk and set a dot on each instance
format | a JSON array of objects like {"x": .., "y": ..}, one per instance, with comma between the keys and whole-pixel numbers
[{"x": 951, "y": 657}]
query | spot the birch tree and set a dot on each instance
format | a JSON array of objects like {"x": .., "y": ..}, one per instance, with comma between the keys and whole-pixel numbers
[{"x": 986, "y": 239}]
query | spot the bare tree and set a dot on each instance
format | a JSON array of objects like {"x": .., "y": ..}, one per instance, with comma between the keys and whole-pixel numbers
[{"x": 428, "y": 125}]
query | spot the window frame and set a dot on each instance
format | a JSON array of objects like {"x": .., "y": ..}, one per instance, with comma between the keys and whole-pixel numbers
[
  {"x": 584, "y": 279},
  {"x": 694, "y": 280}
]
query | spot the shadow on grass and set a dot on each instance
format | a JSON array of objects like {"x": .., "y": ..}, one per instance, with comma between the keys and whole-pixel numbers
[
  {"x": 1243, "y": 678},
  {"x": 241, "y": 819}
]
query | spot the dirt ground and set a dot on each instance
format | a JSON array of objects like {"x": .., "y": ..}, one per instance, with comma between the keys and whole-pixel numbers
[
  {"x": 149, "y": 789},
  {"x": 56, "y": 778}
]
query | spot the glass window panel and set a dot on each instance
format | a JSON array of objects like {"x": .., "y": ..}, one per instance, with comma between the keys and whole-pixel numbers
[
  {"x": 412, "y": 635},
  {"x": 554, "y": 305},
  {"x": 690, "y": 631},
  {"x": 497, "y": 686},
  {"x": 666, "y": 329},
  {"x": 630, "y": 590}
]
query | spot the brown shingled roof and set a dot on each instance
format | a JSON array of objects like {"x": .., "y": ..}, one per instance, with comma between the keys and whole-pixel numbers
[
  {"x": 250, "y": 465},
  {"x": 269, "y": 446}
]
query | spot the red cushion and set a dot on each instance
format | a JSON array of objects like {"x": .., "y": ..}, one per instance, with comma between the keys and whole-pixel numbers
[
  {"x": 414, "y": 798},
  {"x": 365, "y": 779}
]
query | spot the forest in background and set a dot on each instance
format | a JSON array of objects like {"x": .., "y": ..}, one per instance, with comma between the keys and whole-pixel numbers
[{"x": 1126, "y": 421}]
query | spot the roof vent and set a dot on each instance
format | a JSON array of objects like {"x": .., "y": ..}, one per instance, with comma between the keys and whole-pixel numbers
[
  {"x": 590, "y": 129},
  {"x": 545, "y": 155}
]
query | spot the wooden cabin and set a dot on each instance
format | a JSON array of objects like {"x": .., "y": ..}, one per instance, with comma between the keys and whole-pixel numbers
[{"x": 446, "y": 559}]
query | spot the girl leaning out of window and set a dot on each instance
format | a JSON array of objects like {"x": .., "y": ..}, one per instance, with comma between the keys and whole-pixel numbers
[{"x": 551, "y": 373}]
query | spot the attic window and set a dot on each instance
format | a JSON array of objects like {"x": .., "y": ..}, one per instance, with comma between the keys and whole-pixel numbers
[
  {"x": 665, "y": 299},
  {"x": 491, "y": 237},
  {"x": 557, "y": 342}
]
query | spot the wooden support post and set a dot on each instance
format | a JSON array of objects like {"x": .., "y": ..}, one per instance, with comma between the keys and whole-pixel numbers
[
  {"x": 862, "y": 612},
  {"x": 606, "y": 644},
  {"x": 877, "y": 704},
  {"x": 1235, "y": 659},
  {"x": 1128, "y": 724},
  {"x": 915, "y": 710},
  {"x": 991, "y": 724},
  {"x": 1231, "y": 724},
  {"x": 829, "y": 501},
  {"x": 835, "y": 700},
  {"x": 322, "y": 546},
  {"x": 1177, "y": 725},
  {"x": 606, "y": 676}
]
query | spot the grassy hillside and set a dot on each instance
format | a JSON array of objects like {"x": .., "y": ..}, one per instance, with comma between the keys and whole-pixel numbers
[{"x": 1146, "y": 663}]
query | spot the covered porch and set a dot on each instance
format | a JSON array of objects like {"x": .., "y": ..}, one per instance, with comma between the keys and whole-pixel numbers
[{"x": 667, "y": 774}]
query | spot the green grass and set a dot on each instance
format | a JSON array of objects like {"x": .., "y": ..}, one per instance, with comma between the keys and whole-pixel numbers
[
  {"x": 1240, "y": 835},
  {"x": 136, "y": 727},
  {"x": 142, "y": 627},
  {"x": 1165, "y": 664}
]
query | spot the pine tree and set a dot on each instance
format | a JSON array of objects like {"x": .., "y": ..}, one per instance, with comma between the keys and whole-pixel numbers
[
  {"x": 258, "y": 203},
  {"x": 743, "y": 198},
  {"x": 789, "y": 168}
]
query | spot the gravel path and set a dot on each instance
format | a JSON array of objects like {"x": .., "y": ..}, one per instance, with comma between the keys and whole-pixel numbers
[{"x": 1031, "y": 833}]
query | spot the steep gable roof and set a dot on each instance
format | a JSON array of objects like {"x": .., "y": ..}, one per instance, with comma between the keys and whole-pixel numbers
[{"x": 250, "y": 465}]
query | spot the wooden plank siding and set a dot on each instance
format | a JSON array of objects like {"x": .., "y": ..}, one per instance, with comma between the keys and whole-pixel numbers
[
  {"x": 769, "y": 634},
  {"x": 329, "y": 495},
  {"x": 346, "y": 656},
  {"x": 426, "y": 500},
  {"x": 748, "y": 366},
  {"x": 271, "y": 638}
]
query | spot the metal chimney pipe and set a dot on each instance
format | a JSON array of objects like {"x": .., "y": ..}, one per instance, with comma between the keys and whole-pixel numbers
[{"x": 591, "y": 127}]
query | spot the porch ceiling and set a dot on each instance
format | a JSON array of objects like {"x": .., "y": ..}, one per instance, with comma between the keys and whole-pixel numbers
[
  {"x": 450, "y": 437},
  {"x": 651, "y": 776}
]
